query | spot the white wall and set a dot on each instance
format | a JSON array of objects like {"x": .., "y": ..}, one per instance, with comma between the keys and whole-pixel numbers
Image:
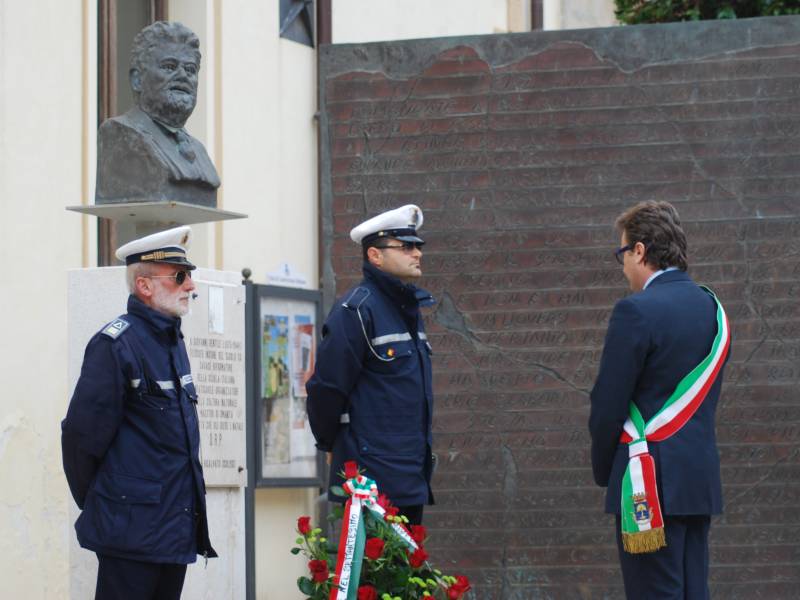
[
  {"x": 380, "y": 20},
  {"x": 41, "y": 171},
  {"x": 356, "y": 21},
  {"x": 578, "y": 14},
  {"x": 269, "y": 171},
  {"x": 269, "y": 139}
]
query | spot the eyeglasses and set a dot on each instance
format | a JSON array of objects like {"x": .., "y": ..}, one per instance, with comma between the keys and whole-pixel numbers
[
  {"x": 620, "y": 251},
  {"x": 179, "y": 277},
  {"x": 405, "y": 247}
]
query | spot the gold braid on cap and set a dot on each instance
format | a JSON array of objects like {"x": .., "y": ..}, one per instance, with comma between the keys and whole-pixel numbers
[{"x": 161, "y": 255}]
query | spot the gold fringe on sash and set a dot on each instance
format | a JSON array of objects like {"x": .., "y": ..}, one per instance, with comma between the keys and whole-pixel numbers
[{"x": 644, "y": 541}]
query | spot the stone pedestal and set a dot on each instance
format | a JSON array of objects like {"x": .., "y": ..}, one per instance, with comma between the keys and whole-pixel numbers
[{"x": 138, "y": 219}]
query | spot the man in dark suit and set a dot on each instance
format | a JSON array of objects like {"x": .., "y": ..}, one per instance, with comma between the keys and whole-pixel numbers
[
  {"x": 146, "y": 154},
  {"x": 653, "y": 441}
]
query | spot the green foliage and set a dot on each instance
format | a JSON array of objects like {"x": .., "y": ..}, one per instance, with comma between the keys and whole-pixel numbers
[
  {"x": 306, "y": 586},
  {"x": 632, "y": 12},
  {"x": 391, "y": 572}
]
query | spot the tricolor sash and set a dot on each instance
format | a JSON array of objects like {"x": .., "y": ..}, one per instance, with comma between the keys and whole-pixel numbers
[
  {"x": 363, "y": 495},
  {"x": 642, "y": 521}
]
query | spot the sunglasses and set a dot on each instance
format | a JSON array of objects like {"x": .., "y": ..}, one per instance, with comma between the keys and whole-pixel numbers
[
  {"x": 405, "y": 246},
  {"x": 179, "y": 277}
]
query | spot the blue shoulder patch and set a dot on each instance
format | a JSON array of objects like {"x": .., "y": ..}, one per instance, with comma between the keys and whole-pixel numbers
[
  {"x": 115, "y": 328},
  {"x": 356, "y": 298}
]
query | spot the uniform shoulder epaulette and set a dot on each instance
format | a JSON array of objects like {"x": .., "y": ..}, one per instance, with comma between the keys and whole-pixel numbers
[
  {"x": 356, "y": 297},
  {"x": 115, "y": 328}
]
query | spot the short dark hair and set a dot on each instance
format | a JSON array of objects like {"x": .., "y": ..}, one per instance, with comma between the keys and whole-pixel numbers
[
  {"x": 658, "y": 226},
  {"x": 373, "y": 243}
]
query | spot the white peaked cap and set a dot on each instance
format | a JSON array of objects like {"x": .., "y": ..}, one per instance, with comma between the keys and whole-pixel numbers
[
  {"x": 168, "y": 246},
  {"x": 400, "y": 223}
]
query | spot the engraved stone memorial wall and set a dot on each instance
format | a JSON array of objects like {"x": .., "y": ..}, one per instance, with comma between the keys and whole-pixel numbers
[{"x": 521, "y": 150}]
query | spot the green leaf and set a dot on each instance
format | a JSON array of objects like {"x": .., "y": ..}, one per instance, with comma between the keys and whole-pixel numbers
[
  {"x": 305, "y": 585},
  {"x": 295, "y": 550},
  {"x": 338, "y": 491}
]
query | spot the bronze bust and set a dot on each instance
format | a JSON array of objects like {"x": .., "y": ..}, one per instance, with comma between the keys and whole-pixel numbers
[{"x": 146, "y": 155}]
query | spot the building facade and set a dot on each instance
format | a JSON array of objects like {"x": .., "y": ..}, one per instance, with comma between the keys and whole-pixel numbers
[{"x": 60, "y": 70}]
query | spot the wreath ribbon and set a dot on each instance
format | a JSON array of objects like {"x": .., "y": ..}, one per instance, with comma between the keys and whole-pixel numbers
[{"x": 363, "y": 500}]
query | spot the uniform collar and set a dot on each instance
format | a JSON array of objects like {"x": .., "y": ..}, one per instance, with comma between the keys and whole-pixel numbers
[
  {"x": 391, "y": 285},
  {"x": 161, "y": 323}
]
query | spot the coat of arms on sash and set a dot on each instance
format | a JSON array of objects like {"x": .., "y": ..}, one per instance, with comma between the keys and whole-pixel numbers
[{"x": 641, "y": 510}]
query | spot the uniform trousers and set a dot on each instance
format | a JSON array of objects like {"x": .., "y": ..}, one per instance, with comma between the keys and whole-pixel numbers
[
  {"x": 413, "y": 513},
  {"x": 677, "y": 572},
  {"x": 123, "y": 579}
]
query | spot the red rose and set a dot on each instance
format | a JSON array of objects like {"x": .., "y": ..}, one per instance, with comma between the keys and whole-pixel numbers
[
  {"x": 319, "y": 570},
  {"x": 304, "y": 525},
  {"x": 459, "y": 588},
  {"x": 383, "y": 502},
  {"x": 417, "y": 558},
  {"x": 373, "y": 548},
  {"x": 350, "y": 469},
  {"x": 367, "y": 592},
  {"x": 418, "y": 534}
]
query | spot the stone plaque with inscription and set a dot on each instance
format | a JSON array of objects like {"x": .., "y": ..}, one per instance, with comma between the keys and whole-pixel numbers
[{"x": 216, "y": 353}]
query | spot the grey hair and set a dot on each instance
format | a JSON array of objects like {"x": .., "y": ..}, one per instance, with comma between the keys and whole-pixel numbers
[
  {"x": 133, "y": 272},
  {"x": 153, "y": 35}
]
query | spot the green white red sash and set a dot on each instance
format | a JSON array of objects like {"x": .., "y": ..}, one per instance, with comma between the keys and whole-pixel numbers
[
  {"x": 642, "y": 521},
  {"x": 363, "y": 495}
]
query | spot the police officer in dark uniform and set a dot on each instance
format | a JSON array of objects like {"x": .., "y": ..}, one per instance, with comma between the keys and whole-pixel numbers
[
  {"x": 370, "y": 399},
  {"x": 130, "y": 440}
]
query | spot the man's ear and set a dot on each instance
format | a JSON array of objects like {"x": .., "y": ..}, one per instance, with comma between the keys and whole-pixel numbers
[
  {"x": 136, "y": 80},
  {"x": 374, "y": 256},
  {"x": 640, "y": 250},
  {"x": 144, "y": 287}
]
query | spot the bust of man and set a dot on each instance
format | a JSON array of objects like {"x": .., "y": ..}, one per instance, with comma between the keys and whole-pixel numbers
[{"x": 146, "y": 155}]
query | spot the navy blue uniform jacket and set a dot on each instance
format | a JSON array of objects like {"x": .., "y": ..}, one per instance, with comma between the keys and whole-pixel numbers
[
  {"x": 374, "y": 365},
  {"x": 130, "y": 443},
  {"x": 655, "y": 338}
]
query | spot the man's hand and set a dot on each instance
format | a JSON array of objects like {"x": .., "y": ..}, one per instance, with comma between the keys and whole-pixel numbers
[{"x": 328, "y": 457}]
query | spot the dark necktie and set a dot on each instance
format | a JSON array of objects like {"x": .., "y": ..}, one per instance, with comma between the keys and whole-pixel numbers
[{"x": 185, "y": 145}]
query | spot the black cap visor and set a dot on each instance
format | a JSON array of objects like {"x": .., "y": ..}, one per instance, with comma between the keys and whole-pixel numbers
[
  {"x": 179, "y": 261},
  {"x": 409, "y": 238},
  {"x": 404, "y": 234}
]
